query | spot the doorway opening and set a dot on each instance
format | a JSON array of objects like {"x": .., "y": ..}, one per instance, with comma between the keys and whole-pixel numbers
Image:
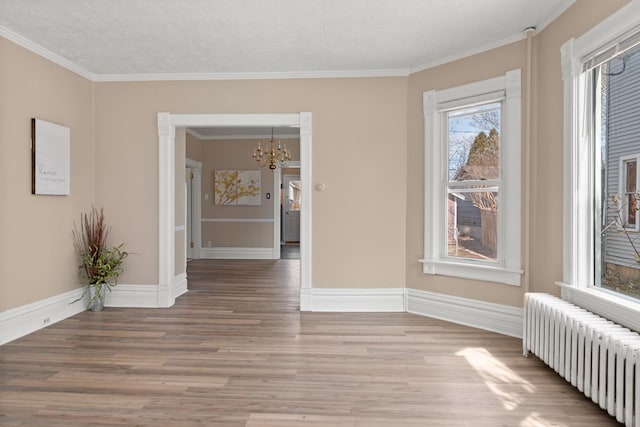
[
  {"x": 290, "y": 210},
  {"x": 167, "y": 123}
]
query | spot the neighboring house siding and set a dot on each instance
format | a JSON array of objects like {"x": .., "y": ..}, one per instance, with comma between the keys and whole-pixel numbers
[
  {"x": 469, "y": 219},
  {"x": 623, "y": 139}
]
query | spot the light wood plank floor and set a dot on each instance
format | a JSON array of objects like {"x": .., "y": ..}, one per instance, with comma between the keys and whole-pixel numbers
[{"x": 235, "y": 351}]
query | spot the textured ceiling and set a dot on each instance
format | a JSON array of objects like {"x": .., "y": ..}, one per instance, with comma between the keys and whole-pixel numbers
[{"x": 116, "y": 37}]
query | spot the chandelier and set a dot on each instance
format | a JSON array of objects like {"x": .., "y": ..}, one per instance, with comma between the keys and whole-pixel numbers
[{"x": 273, "y": 156}]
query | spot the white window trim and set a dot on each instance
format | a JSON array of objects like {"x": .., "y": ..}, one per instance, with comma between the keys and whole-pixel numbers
[
  {"x": 578, "y": 238},
  {"x": 508, "y": 269},
  {"x": 622, "y": 190}
]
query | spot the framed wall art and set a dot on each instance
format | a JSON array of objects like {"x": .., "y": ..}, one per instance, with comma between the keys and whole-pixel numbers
[
  {"x": 237, "y": 187},
  {"x": 51, "y": 158}
]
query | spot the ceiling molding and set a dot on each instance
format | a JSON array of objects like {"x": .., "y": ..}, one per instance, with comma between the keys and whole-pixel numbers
[
  {"x": 202, "y": 137},
  {"x": 45, "y": 53},
  {"x": 400, "y": 72},
  {"x": 467, "y": 53},
  {"x": 57, "y": 59}
]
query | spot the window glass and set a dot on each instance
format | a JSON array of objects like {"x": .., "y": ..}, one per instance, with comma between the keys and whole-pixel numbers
[
  {"x": 294, "y": 195},
  {"x": 616, "y": 85},
  {"x": 472, "y": 230},
  {"x": 473, "y": 143},
  {"x": 630, "y": 193}
]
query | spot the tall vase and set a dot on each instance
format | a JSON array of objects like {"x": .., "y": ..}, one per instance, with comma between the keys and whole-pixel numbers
[{"x": 96, "y": 297}]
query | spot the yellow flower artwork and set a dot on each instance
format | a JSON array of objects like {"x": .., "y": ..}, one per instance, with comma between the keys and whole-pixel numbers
[{"x": 237, "y": 187}]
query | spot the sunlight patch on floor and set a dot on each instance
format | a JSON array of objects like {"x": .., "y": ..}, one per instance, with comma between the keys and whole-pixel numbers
[
  {"x": 505, "y": 384},
  {"x": 536, "y": 420}
]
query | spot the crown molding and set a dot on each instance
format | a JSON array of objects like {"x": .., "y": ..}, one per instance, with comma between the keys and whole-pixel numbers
[
  {"x": 400, "y": 72},
  {"x": 470, "y": 52},
  {"x": 45, "y": 53},
  {"x": 59, "y": 60},
  {"x": 202, "y": 137}
]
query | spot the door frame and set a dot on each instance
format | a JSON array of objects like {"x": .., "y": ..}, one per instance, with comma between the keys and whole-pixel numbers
[
  {"x": 167, "y": 123},
  {"x": 196, "y": 207}
]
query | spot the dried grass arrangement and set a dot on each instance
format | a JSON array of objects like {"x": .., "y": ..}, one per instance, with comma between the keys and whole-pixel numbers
[{"x": 100, "y": 266}]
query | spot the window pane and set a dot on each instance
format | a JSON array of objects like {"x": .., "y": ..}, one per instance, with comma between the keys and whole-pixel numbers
[
  {"x": 474, "y": 143},
  {"x": 631, "y": 210},
  {"x": 294, "y": 195},
  {"x": 617, "y": 84},
  {"x": 631, "y": 177},
  {"x": 472, "y": 226}
]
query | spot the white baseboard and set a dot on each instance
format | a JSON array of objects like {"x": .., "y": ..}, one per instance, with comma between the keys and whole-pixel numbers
[
  {"x": 132, "y": 296},
  {"x": 179, "y": 285},
  {"x": 305, "y": 299},
  {"x": 503, "y": 319},
  {"x": 238, "y": 253},
  {"x": 356, "y": 300},
  {"x": 20, "y": 321}
]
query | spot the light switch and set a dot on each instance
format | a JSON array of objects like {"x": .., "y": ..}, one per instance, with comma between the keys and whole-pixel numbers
[{"x": 206, "y": 196}]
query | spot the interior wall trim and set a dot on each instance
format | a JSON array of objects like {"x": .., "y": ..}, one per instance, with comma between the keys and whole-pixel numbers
[
  {"x": 20, "y": 321},
  {"x": 267, "y": 136},
  {"x": 45, "y": 53},
  {"x": 132, "y": 296},
  {"x": 357, "y": 300},
  {"x": 237, "y": 220},
  {"x": 503, "y": 319},
  {"x": 179, "y": 285},
  {"x": 238, "y": 253}
]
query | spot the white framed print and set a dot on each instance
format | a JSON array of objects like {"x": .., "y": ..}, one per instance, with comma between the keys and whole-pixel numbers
[{"x": 51, "y": 158}]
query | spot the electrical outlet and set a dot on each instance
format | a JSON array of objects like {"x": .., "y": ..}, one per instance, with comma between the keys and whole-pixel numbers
[
  {"x": 46, "y": 320},
  {"x": 208, "y": 243}
]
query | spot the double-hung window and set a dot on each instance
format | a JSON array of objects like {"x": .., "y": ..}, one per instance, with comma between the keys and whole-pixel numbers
[
  {"x": 601, "y": 73},
  {"x": 472, "y": 180}
]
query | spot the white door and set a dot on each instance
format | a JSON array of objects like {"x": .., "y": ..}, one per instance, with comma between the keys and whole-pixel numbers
[
  {"x": 292, "y": 200},
  {"x": 188, "y": 176}
]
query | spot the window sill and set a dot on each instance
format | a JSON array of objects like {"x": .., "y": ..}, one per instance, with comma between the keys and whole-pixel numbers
[
  {"x": 624, "y": 311},
  {"x": 467, "y": 270}
]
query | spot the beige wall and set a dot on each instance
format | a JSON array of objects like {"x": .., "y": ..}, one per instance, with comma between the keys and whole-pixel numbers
[
  {"x": 358, "y": 221},
  {"x": 546, "y": 159},
  {"x": 290, "y": 171},
  {"x": 489, "y": 64},
  {"x": 367, "y": 224},
  {"x": 235, "y": 154},
  {"x": 547, "y": 163},
  {"x": 194, "y": 148},
  {"x": 37, "y": 260}
]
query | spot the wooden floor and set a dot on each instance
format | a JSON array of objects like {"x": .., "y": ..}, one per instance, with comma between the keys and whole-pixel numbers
[{"x": 235, "y": 351}]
